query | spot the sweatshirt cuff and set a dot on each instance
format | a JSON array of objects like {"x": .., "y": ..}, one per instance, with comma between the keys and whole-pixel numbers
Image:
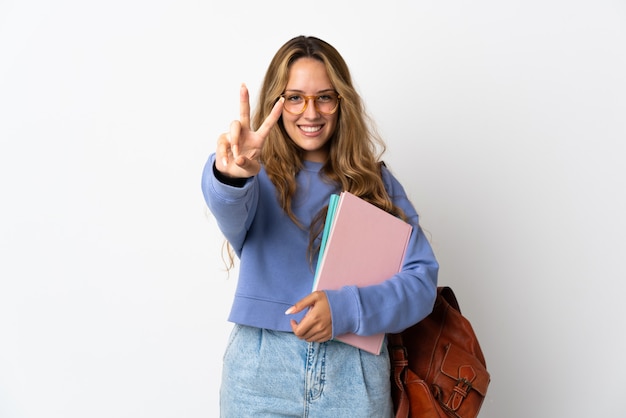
[
  {"x": 212, "y": 186},
  {"x": 230, "y": 181},
  {"x": 344, "y": 310}
]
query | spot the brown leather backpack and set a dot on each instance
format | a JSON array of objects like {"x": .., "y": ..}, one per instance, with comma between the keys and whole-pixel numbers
[{"x": 437, "y": 367}]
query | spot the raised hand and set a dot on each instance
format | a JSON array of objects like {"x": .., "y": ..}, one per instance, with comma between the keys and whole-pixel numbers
[{"x": 239, "y": 149}]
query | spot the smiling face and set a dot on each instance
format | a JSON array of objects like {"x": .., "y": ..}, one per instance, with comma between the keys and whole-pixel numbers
[{"x": 311, "y": 130}]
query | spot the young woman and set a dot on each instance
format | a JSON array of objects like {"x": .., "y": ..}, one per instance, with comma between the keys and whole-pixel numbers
[{"x": 268, "y": 185}]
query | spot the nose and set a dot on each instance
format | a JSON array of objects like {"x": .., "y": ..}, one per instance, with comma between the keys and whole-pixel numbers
[{"x": 310, "y": 111}]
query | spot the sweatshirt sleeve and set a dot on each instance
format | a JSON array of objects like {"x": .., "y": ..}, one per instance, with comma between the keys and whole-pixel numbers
[
  {"x": 402, "y": 300},
  {"x": 233, "y": 205}
]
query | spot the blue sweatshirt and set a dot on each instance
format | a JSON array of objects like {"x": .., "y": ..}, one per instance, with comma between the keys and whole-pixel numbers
[{"x": 275, "y": 272}]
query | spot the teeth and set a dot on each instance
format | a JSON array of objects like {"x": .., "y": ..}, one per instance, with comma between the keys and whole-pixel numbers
[{"x": 310, "y": 128}]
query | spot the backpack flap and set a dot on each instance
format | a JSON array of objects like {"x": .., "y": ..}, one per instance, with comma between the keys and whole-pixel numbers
[{"x": 463, "y": 379}]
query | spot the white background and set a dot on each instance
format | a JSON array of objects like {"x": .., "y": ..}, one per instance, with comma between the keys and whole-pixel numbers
[{"x": 505, "y": 121}]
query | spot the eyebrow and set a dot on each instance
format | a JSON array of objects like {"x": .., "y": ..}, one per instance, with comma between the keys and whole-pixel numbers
[{"x": 319, "y": 92}]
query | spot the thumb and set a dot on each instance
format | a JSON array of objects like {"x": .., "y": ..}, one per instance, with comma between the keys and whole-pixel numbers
[{"x": 247, "y": 164}]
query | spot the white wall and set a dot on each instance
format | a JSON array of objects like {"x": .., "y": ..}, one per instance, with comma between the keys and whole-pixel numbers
[{"x": 505, "y": 120}]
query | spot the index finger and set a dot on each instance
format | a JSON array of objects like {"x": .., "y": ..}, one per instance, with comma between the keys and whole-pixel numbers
[
  {"x": 302, "y": 304},
  {"x": 244, "y": 106},
  {"x": 271, "y": 119}
]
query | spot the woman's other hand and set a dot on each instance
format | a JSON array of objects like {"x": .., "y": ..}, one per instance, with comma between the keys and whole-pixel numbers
[{"x": 317, "y": 324}]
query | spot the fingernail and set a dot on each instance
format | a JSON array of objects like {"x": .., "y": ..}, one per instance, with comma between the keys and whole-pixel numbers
[
  {"x": 289, "y": 311},
  {"x": 224, "y": 162}
]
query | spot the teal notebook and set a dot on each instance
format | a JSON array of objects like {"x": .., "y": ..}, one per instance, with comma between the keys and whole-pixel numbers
[{"x": 330, "y": 216}]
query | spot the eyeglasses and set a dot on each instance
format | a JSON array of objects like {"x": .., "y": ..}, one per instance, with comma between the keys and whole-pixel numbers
[{"x": 325, "y": 103}]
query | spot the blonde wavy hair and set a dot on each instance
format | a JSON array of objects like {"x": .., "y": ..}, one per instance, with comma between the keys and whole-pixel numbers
[{"x": 354, "y": 149}]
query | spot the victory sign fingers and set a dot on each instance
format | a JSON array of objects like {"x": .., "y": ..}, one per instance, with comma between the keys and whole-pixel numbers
[{"x": 239, "y": 149}]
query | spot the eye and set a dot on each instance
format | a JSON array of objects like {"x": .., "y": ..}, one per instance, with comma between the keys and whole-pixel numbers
[
  {"x": 294, "y": 98},
  {"x": 325, "y": 98}
]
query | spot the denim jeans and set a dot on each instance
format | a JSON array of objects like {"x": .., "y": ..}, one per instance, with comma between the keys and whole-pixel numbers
[{"x": 274, "y": 374}]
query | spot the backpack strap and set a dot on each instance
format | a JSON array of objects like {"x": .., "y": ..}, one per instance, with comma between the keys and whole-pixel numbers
[{"x": 399, "y": 363}]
